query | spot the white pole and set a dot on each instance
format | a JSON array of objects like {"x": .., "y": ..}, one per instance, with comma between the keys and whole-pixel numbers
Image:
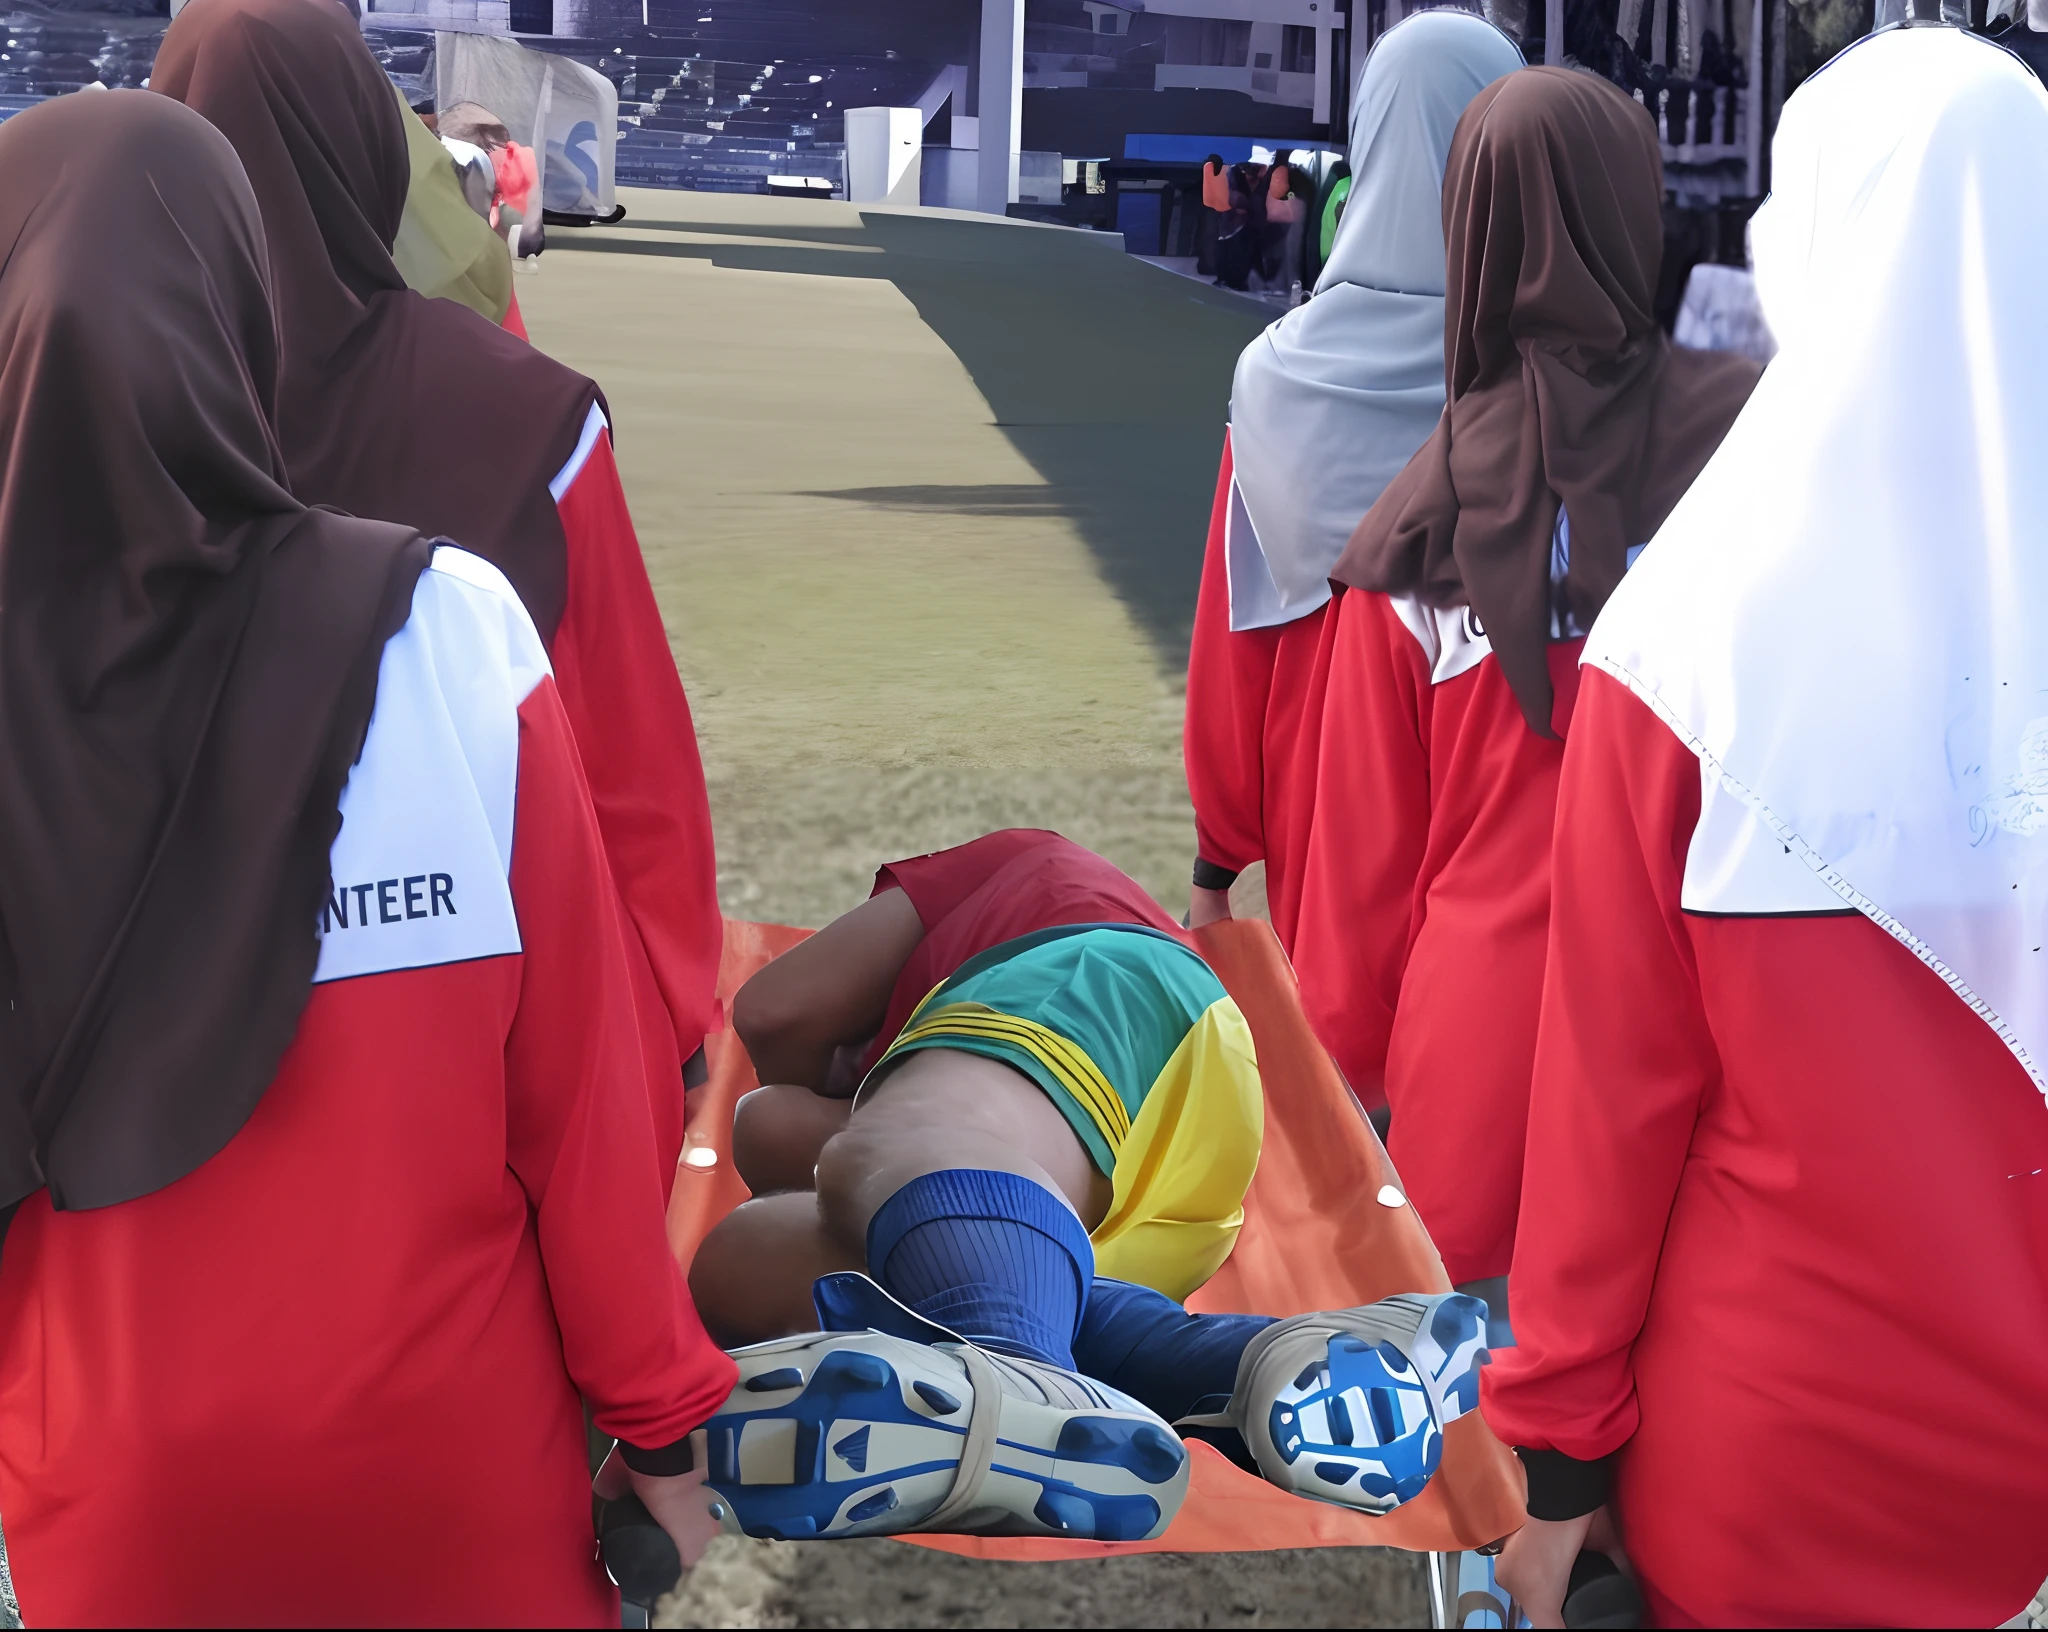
[
  {"x": 1755, "y": 99},
  {"x": 1002, "y": 104},
  {"x": 1325, "y": 62}
]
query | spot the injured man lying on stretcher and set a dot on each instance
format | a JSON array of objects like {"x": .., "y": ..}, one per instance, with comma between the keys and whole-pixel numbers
[{"x": 1011, "y": 1119}]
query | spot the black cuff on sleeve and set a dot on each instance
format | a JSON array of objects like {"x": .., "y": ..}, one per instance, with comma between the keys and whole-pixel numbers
[
  {"x": 1211, "y": 875},
  {"x": 1562, "y": 1487},
  {"x": 661, "y": 1463}
]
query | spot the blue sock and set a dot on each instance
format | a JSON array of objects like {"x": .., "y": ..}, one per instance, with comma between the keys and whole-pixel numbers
[
  {"x": 1178, "y": 1364},
  {"x": 998, "y": 1259}
]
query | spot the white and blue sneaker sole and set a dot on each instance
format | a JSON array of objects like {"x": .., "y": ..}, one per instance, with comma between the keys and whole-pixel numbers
[
  {"x": 862, "y": 1434},
  {"x": 1350, "y": 1406},
  {"x": 1450, "y": 1344}
]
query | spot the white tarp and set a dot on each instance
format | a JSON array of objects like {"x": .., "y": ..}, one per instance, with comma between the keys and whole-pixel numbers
[{"x": 567, "y": 113}]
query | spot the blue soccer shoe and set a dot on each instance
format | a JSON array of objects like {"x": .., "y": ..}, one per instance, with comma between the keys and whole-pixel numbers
[
  {"x": 865, "y": 1434},
  {"x": 1350, "y": 1406}
]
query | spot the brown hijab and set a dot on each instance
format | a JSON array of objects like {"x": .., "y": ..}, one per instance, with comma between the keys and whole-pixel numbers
[
  {"x": 1560, "y": 384},
  {"x": 386, "y": 395},
  {"x": 188, "y": 656}
]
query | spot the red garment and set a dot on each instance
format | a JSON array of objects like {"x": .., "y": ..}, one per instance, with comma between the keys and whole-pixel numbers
[
  {"x": 1371, "y": 798},
  {"x": 1786, "y": 1241},
  {"x": 1009, "y": 883},
  {"x": 632, "y": 724},
  {"x": 1425, "y": 904},
  {"x": 518, "y": 174},
  {"x": 332, "y": 1375},
  {"x": 513, "y": 322},
  {"x": 1254, "y": 714}
]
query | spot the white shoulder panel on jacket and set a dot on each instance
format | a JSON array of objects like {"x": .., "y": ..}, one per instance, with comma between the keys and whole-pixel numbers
[
  {"x": 423, "y": 863},
  {"x": 1451, "y": 638},
  {"x": 565, "y": 478}
]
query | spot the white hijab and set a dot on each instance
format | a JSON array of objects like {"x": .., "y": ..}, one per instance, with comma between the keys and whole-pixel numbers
[
  {"x": 1846, "y": 617},
  {"x": 1331, "y": 401}
]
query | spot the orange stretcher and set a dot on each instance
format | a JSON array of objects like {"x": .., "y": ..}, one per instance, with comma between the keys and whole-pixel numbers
[{"x": 1321, "y": 1175}]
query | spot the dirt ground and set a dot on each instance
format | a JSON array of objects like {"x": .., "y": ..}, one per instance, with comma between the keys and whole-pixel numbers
[
  {"x": 884, "y": 1583},
  {"x": 923, "y": 498}
]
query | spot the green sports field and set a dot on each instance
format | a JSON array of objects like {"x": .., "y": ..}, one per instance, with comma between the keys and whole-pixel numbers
[{"x": 923, "y": 497}]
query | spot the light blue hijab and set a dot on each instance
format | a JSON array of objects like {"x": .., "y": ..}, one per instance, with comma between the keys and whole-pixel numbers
[{"x": 1331, "y": 401}]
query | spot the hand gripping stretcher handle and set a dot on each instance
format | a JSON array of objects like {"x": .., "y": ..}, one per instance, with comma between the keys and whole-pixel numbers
[{"x": 638, "y": 1554}]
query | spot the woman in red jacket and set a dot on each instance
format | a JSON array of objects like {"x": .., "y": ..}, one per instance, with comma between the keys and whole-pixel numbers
[
  {"x": 323, "y": 1127},
  {"x": 1328, "y": 404},
  {"x": 378, "y": 398},
  {"x": 1781, "y": 1281},
  {"x": 1571, "y": 427}
]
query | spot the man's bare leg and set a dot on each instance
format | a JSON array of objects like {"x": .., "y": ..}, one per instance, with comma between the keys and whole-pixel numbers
[
  {"x": 752, "y": 1276},
  {"x": 778, "y": 1134},
  {"x": 941, "y": 1109}
]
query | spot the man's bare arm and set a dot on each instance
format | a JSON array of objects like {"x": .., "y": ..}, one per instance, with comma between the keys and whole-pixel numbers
[{"x": 826, "y": 993}]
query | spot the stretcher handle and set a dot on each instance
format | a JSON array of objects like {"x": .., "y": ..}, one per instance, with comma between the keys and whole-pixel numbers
[
  {"x": 638, "y": 1554},
  {"x": 1600, "y": 1595}
]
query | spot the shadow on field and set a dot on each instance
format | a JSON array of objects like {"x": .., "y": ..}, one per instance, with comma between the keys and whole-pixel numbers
[
  {"x": 999, "y": 499},
  {"x": 1111, "y": 377}
]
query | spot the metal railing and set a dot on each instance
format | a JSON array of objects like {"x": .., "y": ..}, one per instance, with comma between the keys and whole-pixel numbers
[{"x": 1699, "y": 123}]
